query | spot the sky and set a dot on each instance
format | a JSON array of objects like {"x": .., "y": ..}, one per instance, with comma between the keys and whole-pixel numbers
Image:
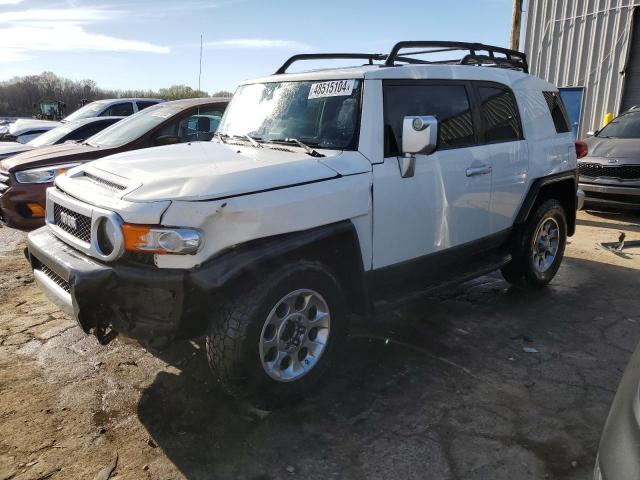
[{"x": 150, "y": 44}]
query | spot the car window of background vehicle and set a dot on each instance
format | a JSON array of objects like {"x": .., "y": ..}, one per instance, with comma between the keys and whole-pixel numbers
[{"x": 625, "y": 126}]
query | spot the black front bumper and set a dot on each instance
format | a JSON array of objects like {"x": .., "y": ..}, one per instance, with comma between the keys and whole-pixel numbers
[
  {"x": 141, "y": 302},
  {"x": 614, "y": 196}
]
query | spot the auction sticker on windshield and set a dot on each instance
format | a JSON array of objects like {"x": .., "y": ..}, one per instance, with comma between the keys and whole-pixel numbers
[{"x": 333, "y": 88}]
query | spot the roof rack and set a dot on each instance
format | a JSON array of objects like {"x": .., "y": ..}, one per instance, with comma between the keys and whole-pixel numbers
[
  {"x": 370, "y": 57},
  {"x": 325, "y": 56},
  {"x": 511, "y": 59}
]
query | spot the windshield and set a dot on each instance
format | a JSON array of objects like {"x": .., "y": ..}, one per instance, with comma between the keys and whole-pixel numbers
[
  {"x": 52, "y": 136},
  {"x": 625, "y": 126},
  {"x": 133, "y": 127},
  {"x": 88, "y": 111},
  {"x": 321, "y": 114}
]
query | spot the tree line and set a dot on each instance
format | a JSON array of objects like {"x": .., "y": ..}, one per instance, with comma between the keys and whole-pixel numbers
[{"x": 19, "y": 94}]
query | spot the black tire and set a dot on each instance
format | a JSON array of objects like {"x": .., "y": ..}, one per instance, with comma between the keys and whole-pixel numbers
[
  {"x": 236, "y": 327},
  {"x": 521, "y": 270}
]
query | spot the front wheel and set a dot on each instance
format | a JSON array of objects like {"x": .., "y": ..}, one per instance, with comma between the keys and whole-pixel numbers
[
  {"x": 272, "y": 342},
  {"x": 538, "y": 246}
]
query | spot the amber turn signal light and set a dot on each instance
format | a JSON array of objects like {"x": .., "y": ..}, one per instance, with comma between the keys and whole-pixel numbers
[{"x": 37, "y": 210}]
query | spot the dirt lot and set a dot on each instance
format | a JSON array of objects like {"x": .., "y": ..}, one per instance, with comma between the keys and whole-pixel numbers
[{"x": 440, "y": 390}]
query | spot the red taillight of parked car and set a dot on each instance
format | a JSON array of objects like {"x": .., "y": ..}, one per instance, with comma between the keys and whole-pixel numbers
[{"x": 581, "y": 149}]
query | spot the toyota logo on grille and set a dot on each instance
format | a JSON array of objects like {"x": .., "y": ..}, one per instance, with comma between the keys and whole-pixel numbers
[{"x": 68, "y": 220}]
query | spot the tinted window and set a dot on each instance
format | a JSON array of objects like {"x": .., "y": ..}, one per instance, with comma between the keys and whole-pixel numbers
[
  {"x": 624, "y": 126},
  {"x": 87, "y": 131},
  {"x": 197, "y": 126},
  {"x": 143, "y": 105},
  {"x": 558, "y": 112},
  {"x": 449, "y": 103},
  {"x": 118, "y": 110},
  {"x": 499, "y": 115}
]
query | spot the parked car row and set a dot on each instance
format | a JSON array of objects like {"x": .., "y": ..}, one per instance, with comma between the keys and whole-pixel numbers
[
  {"x": 24, "y": 130},
  {"x": 24, "y": 177}
]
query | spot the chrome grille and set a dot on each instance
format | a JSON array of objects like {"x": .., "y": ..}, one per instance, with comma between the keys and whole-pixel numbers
[
  {"x": 105, "y": 183},
  {"x": 61, "y": 282},
  {"x": 82, "y": 228},
  {"x": 623, "y": 172},
  {"x": 4, "y": 181}
]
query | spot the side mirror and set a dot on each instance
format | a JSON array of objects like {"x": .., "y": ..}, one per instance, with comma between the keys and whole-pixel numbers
[
  {"x": 204, "y": 124},
  {"x": 419, "y": 134},
  {"x": 166, "y": 140}
]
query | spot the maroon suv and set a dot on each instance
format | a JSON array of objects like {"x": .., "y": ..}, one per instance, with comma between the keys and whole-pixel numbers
[{"x": 24, "y": 178}]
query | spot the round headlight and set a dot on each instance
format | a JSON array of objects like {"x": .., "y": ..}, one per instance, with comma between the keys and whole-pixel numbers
[{"x": 106, "y": 236}]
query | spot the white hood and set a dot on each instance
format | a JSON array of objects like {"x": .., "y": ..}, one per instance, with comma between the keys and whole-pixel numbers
[
  {"x": 13, "y": 148},
  {"x": 209, "y": 170},
  {"x": 23, "y": 125}
]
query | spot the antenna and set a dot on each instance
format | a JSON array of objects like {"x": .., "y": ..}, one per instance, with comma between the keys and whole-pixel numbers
[
  {"x": 200, "y": 72},
  {"x": 199, "y": 79}
]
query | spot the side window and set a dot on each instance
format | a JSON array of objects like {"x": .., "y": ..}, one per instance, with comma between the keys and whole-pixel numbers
[
  {"x": 449, "y": 103},
  {"x": 118, "y": 110},
  {"x": 143, "y": 105},
  {"x": 195, "y": 127},
  {"x": 87, "y": 131},
  {"x": 499, "y": 114},
  {"x": 557, "y": 111}
]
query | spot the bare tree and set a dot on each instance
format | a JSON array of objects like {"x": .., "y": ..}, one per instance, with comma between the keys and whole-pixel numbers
[{"x": 19, "y": 94}]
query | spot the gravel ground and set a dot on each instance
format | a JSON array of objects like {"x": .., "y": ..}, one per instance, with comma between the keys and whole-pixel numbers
[{"x": 440, "y": 390}]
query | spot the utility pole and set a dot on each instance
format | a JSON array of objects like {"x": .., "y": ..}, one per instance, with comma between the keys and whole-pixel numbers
[{"x": 515, "y": 25}]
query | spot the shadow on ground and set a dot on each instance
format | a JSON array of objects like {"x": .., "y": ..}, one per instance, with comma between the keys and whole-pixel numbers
[{"x": 440, "y": 390}]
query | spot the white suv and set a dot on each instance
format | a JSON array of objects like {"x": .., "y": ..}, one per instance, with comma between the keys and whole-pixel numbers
[{"x": 325, "y": 192}]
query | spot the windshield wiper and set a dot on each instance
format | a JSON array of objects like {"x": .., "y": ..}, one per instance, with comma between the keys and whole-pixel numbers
[
  {"x": 219, "y": 136},
  {"x": 252, "y": 140},
  {"x": 305, "y": 147}
]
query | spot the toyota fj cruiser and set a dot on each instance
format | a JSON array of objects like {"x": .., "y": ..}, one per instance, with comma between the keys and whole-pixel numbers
[{"x": 324, "y": 192}]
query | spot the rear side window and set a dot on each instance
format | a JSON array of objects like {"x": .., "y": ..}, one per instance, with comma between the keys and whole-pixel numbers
[
  {"x": 448, "y": 103},
  {"x": 499, "y": 114},
  {"x": 143, "y": 105},
  {"x": 557, "y": 111},
  {"x": 88, "y": 130},
  {"x": 118, "y": 110}
]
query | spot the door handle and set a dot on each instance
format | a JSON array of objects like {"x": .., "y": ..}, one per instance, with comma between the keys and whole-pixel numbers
[{"x": 482, "y": 170}]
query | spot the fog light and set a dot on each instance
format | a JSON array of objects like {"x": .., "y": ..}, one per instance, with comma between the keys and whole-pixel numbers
[{"x": 37, "y": 210}]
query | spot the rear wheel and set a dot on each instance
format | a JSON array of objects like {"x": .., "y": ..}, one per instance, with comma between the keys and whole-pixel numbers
[
  {"x": 272, "y": 343},
  {"x": 538, "y": 246}
]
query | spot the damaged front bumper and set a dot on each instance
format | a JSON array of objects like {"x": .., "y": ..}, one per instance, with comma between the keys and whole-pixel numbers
[{"x": 141, "y": 302}]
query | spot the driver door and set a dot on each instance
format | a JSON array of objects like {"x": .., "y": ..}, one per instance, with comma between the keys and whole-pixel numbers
[{"x": 445, "y": 204}]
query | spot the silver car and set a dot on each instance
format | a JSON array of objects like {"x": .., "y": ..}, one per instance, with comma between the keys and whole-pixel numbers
[{"x": 610, "y": 173}]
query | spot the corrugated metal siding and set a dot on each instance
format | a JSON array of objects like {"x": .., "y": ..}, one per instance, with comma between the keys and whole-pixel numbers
[
  {"x": 581, "y": 43},
  {"x": 631, "y": 92}
]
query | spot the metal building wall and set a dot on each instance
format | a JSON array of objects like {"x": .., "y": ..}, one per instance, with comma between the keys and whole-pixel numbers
[{"x": 581, "y": 43}]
